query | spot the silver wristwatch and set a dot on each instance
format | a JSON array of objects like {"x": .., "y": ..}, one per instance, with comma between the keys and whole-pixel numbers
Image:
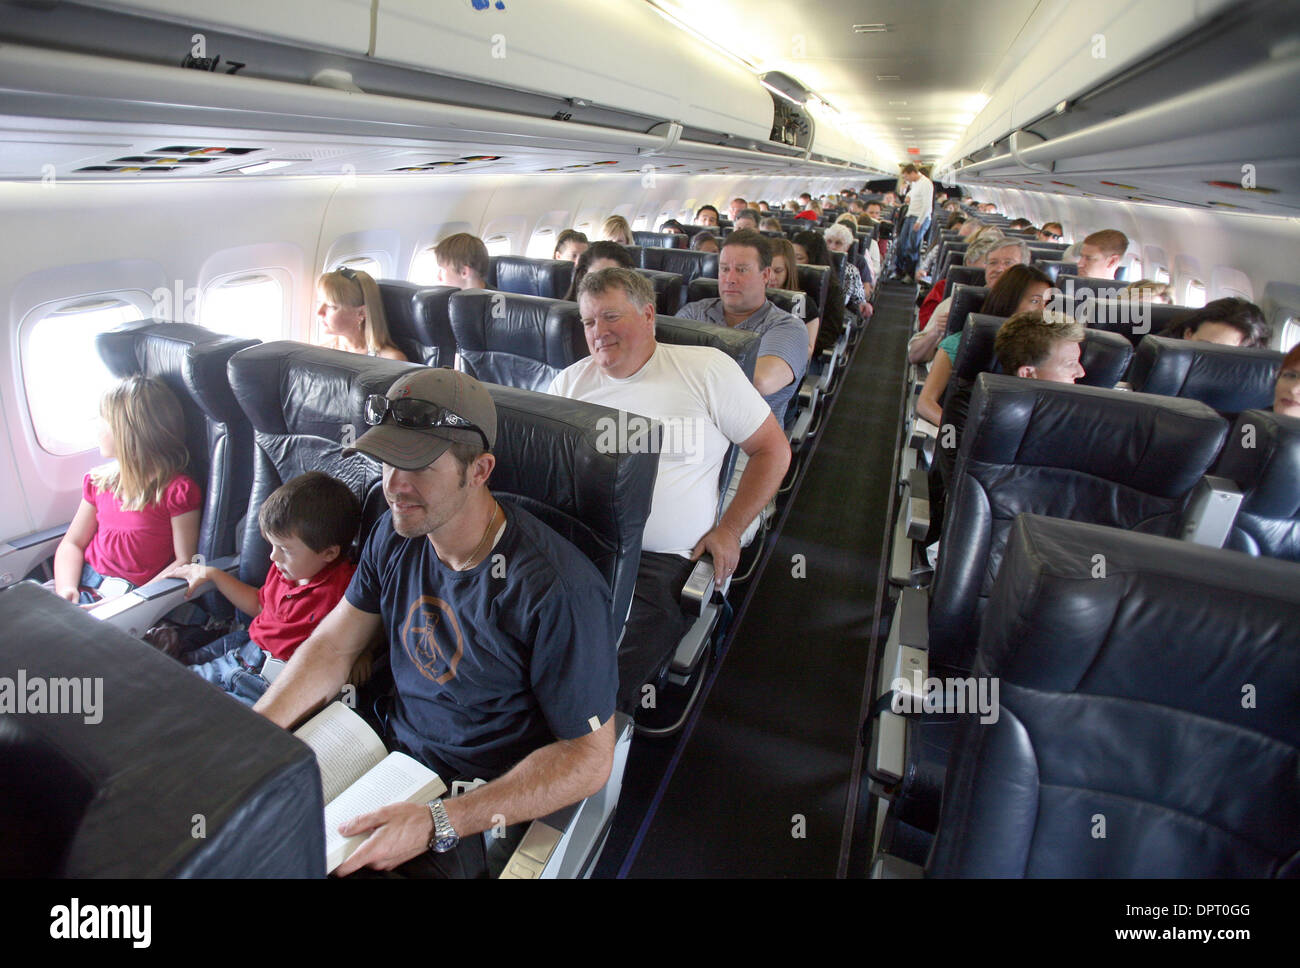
[{"x": 444, "y": 834}]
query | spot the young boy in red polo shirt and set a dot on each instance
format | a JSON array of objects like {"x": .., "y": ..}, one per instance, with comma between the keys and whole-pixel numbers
[{"x": 310, "y": 523}]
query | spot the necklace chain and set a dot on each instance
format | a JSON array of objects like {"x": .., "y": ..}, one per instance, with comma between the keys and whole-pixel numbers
[{"x": 481, "y": 541}]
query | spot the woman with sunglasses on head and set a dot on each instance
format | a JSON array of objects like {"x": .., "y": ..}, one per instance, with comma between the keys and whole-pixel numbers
[{"x": 351, "y": 314}]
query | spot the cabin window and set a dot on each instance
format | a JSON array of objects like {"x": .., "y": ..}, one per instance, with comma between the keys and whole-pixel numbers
[
  {"x": 542, "y": 244},
  {"x": 361, "y": 263},
  {"x": 497, "y": 245},
  {"x": 1290, "y": 334},
  {"x": 249, "y": 305},
  {"x": 63, "y": 374},
  {"x": 640, "y": 224},
  {"x": 1161, "y": 275},
  {"x": 424, "y": 268},
  {"x": 1135, "y": 270},
  {"x": 1195, "y": 296}
]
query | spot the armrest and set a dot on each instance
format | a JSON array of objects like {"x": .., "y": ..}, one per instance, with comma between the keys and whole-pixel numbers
[
  {"x": 568, "y": 842},
  {"x": 698, "y": 590},
  {"x": 20, "y": 555},
  {"x": 1211, "y": 511},
  {"x": 887, "y": 867},
  {"x": 918, "y": 504},
  {"x": 137, "y": 610},
  {"x": 903, "y": 671}
]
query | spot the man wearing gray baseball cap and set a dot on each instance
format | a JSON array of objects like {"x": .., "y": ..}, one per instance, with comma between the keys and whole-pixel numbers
[{"x": 499, "y": 634}]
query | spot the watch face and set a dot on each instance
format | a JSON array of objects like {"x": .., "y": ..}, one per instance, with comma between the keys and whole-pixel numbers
[{"x": 445, "y": 843}]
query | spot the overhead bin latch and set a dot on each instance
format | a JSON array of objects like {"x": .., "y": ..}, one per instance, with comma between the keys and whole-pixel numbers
[
  {"x": 670, "y": 131},
  {"x": 1017, "y": 144}
]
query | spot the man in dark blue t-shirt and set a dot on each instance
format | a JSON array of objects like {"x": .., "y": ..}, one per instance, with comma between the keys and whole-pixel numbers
[{"x": 499, "y": 634}]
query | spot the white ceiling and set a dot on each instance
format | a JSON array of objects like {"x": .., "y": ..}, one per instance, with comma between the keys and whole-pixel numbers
[{"x": 948, "y": 54}]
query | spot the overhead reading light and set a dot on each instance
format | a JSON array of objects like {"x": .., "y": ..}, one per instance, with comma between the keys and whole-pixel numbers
[
  {"x": 870, "y": 28},
  {"x": 888, "y": 77},
  {"x": 904, "y": 117},
  {"x": 683, "y": 25},
  {"x": 898, "y": 104}
]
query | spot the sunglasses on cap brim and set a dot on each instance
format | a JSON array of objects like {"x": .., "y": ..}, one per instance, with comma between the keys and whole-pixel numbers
[{"x": 417, "y": 415}]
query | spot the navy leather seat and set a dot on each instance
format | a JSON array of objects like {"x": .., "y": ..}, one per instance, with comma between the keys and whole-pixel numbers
[
  {"x": 306, "y": 404},
  {"x": 963, "y": 275},
  {"x": 1121, "y": 711},
  {"x": 192, "y": 362},
  {"x": 1262, "y": 456},
  {"x": 687, "y": 263},
  {"x": 1228, "y": 378},
  {"x": 792, "y": 302},
  {"x": 1132, "y": 319},
  {"x": 419, "y": 320},
  {"x": 520, "y": 341},
  {"x": 549, "y": 278},
  {"x": 1122, "y": 459},
  {"x": 815, "y": 281},
  {"x": 668, "y": 290},
  {"x": 1057, "y": 269},
  {"x": 664, "y": 240},
  {"x": 966, "y": 299},
  {"x": 117, "y": 796}
]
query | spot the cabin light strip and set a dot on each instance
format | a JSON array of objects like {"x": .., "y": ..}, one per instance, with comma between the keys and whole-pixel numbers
[{"x": 702, "y": 38}]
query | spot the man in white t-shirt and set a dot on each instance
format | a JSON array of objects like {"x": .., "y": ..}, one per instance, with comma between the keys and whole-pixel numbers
[
  {"x": 920, "y": 199},
  {"x": 705, "y": 403}
]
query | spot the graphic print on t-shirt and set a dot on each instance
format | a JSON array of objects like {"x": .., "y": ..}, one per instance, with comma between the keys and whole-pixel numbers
[{"x": 427, "y": 633}]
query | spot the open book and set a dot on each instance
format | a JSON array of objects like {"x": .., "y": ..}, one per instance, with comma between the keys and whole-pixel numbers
[{"x": 358, "y": 775}]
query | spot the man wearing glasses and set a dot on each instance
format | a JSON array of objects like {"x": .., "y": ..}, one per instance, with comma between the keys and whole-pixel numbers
[{"x": 499, "y": 636}]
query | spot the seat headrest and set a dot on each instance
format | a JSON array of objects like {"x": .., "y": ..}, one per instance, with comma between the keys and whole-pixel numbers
[
  {"x": 663, "y": 240},
  {"x": 740, "y": 344},
  {"x": 289, "y": 388},
  {"x": 419, "y": 321},
  {"x": 975, "y": 351},
  {"x": 668, "y": 290},
  {"x": 1228, "y": 378},
  {"x": 687, "y": 263},
  {"x": 969, "y": 275},
  {"x": 522, "y": 341},
  {"x": 1262, "y": 457},
  {"x": 966, "y": 299},
  {"x": 1159, "y": 445},
  {"x": 549, "y": 278}
]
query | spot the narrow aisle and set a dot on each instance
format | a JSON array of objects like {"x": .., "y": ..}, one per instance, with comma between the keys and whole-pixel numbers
[{"x": 760, "y": 788}]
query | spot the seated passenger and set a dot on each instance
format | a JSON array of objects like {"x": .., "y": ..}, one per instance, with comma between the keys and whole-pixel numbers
[
  {"x": 1020, "y": 224},
  {"x": 805, "y": 200},
  {"x": 1050, "y": 232},
  {"x": 744, "y": 268},
  {"x": 770, "y": 225},
  {"x": 351, "y": 314},
  {"x": 462, "y": 261},
  {"x": 1040, "y": 346},
  {"x": 785, "y": 275},
  {"x": 1229, "y": 322},
  {"x": 1148, "y": 290},
  {"x": 762, "y": 207},
  {"x": 1021, "y": 289},
  {"x": 706, "y": 215},
  {"x": 810, "y": 249},
  {"x": 840, "y": 239},
  {"x": 747, "y": 218},
  {"x": 737, "y": 206},
  {"x": 1286, "y": 394},
  {"x": 995, "y": 254},
  {"x": 673, "y": 227},
  {"x": 1101, "y": 252},
  {"x": 617, "y": 229},
  {"x": 139, "y": 515},
  {"x": 600, "y": 255},
  {"x": 706, "y": 404},
  {"x": 500, "y": 674},
  {"x": 570, "y": 245},
  {"x": 792, "y": 206},
  {"x": 310, "y": 523},
  {"x": 874, "y": 212},
  {"x": 704, "y": 242}
]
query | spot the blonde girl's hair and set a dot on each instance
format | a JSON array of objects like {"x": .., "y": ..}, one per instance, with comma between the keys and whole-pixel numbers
[
  {"x": 354, "y": 288},
  {"x": 618, "y": 225},
  {"x": 149, "y": 437}
]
